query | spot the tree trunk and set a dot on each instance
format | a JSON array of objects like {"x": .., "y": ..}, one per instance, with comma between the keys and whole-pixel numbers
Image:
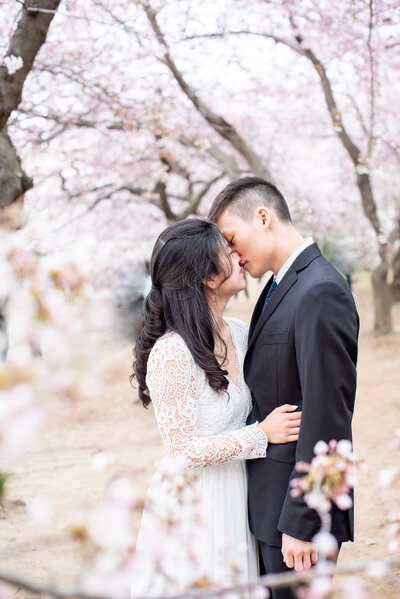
[
  {"x": 395, "y": 287},
  {"x": 29, "y": 36},
  {"x": 380, "y": 284},
  {"x": 3, "y": 330},
  {"x": 14, "y": 182},
  {"x": 382, "y": 295},
  {"x": 379, "y": 275}
]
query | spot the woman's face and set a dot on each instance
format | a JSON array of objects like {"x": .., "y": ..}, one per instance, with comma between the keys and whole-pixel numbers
[{"x": 234, "y": 283}]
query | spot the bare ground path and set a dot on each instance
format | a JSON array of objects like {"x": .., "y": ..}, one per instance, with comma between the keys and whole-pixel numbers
[{"x": 60, "y": 468}]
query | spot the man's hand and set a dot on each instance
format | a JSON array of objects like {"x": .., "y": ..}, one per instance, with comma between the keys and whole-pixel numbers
[{"x": 297, "y": 554}]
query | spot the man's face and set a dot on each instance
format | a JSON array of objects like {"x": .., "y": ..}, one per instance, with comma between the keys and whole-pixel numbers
[{"x": 249, "y": 239}]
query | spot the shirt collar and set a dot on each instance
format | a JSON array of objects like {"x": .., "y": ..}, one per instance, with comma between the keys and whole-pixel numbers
[{"x": 285, "y": 267}]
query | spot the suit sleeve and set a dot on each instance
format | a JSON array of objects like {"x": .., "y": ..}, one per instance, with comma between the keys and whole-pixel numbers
[{"x": 326, "y": 332}]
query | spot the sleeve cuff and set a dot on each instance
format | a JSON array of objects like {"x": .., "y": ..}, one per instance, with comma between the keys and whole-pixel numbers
[{"x": 259, "y": 442}]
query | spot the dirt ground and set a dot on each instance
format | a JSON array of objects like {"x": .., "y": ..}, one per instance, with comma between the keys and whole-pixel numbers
[{"x": 60, "y": 468}]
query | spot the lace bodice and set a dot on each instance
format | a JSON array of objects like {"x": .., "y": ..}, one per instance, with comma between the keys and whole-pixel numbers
[{"x": 204, "y": 426}]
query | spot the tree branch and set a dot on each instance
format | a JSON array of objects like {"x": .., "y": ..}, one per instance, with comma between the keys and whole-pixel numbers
[
  {"x": 217, "y": 122},
  {"x": 26, "y": 42},
  {"x": 272, "y": 581},
  {"x": 98, "y": 200},
  {"x": 372, "y": 80},
  {"x": 14, "y": 182},
  {"x": 275, "y": 38},
  {"x": 195, "y": 201},
  {"x": 363, "y": 179}
]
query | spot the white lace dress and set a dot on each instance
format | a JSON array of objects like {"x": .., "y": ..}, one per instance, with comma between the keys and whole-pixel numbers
[{"x": 209, "y": 430}]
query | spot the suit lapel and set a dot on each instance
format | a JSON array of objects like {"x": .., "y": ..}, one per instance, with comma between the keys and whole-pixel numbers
[
  {"x": 259, "y": 318},
  {"x": 259, "y": 306},
  {"x": 287, "y": 282}
]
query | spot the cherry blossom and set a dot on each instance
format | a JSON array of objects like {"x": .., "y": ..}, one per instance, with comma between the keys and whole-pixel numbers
[
  {"x": 13, "y": 63},
  {"x": 328, "y": 478}
]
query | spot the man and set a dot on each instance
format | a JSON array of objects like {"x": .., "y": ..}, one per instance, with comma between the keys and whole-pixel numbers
[{"x": 302, "y": 350}]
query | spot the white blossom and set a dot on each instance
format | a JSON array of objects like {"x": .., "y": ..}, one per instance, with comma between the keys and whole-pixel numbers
[
  {"x": 40, "y": 511},
  {"x": 326, "y": 543},
  {"x": 21, "y": 417},
  {"x": 378, "y": 569},
  {"x": 110, "y": 528},
  {"x": 345, "y": 448},
  {"x": 321, "y": 587},
  {"x": 13, "y": 63},
  {"x": 387, "y": 476},
  {"x": 362, "y": 169},
  {"x": 321, "y": 448},
  {"x": 343, "y": 501},
  {"x": 122, "y": 491},
  {"x": 317, "y": 501},
  {"x": 100, "y": 461}
]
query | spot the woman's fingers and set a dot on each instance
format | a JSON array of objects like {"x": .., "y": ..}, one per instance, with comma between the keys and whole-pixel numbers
[
  {"x": 293, "y": 437},
  {"x": 295, "y": 424},
  {"x": 287, "y": 408},
  {"x": 294, "y": 430},
  {"x": 294, "y": 416}
]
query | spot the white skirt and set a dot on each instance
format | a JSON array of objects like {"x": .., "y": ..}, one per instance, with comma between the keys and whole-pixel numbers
[{"x": 210, "y": 545}]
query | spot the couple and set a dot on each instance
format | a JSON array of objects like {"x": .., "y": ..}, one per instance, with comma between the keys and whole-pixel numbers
[{"x": 245, "y": 405}]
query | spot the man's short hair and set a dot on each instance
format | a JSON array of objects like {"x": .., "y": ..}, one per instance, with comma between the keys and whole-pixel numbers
[{"x": 243, "y": 195}]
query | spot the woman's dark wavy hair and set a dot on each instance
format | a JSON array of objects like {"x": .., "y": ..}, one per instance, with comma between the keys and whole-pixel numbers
[{"x": 184, "y": 256}]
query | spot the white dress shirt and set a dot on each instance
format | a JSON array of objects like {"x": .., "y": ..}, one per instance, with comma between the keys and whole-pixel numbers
[{"x": 285, "y": 267}]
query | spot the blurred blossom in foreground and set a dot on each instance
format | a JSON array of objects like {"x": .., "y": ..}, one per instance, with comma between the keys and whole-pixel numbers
[
  {"x": 387, "y": 478},
  {"x": 329, "y": 478},
  {"x": 169, "y": 555},
  {"x": 6, "y": 592},
  {"x": 40, "y": 511},
  {"x": 52, "y": 316},
  {"x": 394, "y": 532},
  {"x": 101, "y": 461}
]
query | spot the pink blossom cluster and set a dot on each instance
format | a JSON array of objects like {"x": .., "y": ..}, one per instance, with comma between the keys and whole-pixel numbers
[
  {"x": 329, "y": 478},
  {"x": 52, "y": 316},
  {"x": 171, "y": 521},
  {"x": 393, "y": 530},
  {"x": 327, "y": 587},
  {"x": 387, "y": 478},
  {"x": 108, "y": 535},
  {"x": 169, "y": 555}
]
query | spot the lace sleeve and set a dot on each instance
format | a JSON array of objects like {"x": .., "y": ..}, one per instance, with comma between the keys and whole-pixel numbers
[{"x": 171, "y": 379}]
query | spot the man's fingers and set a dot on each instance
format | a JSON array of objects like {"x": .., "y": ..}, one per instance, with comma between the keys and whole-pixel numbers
[
  {"x": 288, "y": 559},
  {"x": 298, "y": 554},
  {"x": 298, "y": 562},
  {"x": 307, "y": 561}
]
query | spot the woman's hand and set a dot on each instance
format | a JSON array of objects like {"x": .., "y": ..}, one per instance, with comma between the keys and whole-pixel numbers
[{"x": 282, "y": 425}]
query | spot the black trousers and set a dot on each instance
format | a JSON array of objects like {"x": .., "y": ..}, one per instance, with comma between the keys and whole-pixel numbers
[{"x": 273, "y": 564}]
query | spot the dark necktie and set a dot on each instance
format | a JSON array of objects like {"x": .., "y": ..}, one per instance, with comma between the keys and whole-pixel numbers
[{"x": 270, "y": 292}]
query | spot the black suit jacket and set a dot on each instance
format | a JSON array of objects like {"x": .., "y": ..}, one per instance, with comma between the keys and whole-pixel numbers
[{"x": 302, "y": 350}]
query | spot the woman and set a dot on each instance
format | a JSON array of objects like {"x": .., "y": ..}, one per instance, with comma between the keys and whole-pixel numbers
[{"x": 189, "y": 364}]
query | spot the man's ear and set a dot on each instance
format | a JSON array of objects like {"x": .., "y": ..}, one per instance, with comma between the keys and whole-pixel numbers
[{"x": 262, "y": 217}]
